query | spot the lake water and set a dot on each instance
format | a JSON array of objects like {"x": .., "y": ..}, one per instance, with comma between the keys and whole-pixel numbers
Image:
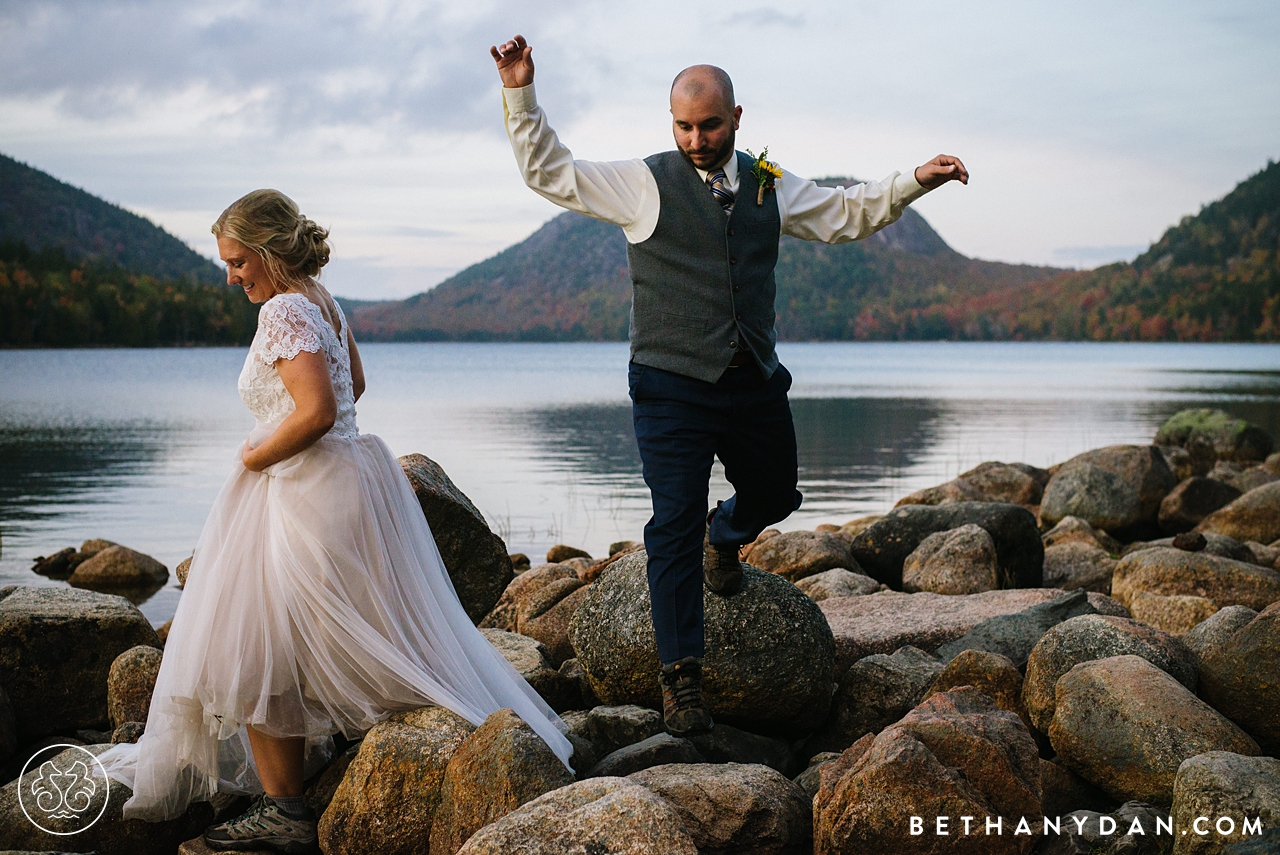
[{"x": 133, "y": 445}]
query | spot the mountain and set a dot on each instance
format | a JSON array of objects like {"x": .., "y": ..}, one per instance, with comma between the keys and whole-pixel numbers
[
  {"x": 1213, "y": 277},
  {"x": 568, "y": 281},
  {"x": 42, "y": 212},
  {"x": 77, "y": 271},
  {"x": 49, "y": 300}
]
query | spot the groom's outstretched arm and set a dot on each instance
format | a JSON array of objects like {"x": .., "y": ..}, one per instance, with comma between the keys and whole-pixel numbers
[
  {"x": 839, "y": 214},
  {"x": 616, "y": 191}
]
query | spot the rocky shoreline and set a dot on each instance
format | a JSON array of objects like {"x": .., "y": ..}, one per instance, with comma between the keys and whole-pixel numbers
[{"x": 1086, "y": 657}]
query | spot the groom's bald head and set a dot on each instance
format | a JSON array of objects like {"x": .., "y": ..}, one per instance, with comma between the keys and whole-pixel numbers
[
  {"x": 703, "y": 115},
  {"x": 699, "y": 82}
]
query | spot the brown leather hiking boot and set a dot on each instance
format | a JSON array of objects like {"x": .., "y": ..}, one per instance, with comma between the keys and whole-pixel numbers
[
  {"x": 683, "y": 710},
  {"x": 721, "y": 569}
]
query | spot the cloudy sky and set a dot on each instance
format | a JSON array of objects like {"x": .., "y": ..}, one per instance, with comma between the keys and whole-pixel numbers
[{"x": 1088, "y": 127}]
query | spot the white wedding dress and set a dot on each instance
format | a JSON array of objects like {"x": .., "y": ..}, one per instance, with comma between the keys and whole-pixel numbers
[{"x": 316, "y": 602}]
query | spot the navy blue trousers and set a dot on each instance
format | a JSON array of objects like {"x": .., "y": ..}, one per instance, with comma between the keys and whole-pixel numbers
[{"x": 682, "y": 424}]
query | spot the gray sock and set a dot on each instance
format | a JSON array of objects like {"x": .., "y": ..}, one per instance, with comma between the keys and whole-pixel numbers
[{"x": 294, "y": 807}]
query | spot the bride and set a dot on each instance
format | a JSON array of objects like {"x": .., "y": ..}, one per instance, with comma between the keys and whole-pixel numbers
[{"x": 316, "y": 602}]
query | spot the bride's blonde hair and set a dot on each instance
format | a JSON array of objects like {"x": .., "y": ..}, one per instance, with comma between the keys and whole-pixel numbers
[{"x": 293, "y": 247}]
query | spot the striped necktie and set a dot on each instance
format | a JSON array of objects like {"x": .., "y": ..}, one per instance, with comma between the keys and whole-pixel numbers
[{"x": 719, "y": 185}]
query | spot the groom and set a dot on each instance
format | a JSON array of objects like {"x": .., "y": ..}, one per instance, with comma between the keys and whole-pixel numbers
[{"x": 705, "y": 382}]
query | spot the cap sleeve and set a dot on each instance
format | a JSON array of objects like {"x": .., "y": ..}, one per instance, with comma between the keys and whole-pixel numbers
[{"x": 287, "y": 329}]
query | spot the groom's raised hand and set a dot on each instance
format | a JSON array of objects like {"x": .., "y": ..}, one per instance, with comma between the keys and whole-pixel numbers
[
  {"x": 515, "y": 62},
  {"x": 939, "y": 171}
]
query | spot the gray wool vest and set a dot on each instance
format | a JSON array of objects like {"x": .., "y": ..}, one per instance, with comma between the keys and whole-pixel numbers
[{"x": 702, "y": 284}]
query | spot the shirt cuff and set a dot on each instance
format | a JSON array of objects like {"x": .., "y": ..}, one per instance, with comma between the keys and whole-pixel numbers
[
  {"x": 520, "y": 100},
  {"x": 906, "y": 188}
]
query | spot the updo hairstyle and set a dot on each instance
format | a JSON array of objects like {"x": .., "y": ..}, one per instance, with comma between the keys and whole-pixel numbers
[{"x": 293, "y": 247}]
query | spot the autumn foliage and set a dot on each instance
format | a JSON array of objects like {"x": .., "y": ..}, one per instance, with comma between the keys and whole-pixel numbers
[
  {"x": 47, "y": 300},
  {"x": 1213, "y": 277}
]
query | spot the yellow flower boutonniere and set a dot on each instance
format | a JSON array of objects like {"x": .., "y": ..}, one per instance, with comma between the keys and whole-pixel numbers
[{"x": 765, "y": 171}]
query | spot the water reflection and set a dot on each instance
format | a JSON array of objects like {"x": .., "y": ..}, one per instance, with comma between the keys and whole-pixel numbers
[
  {"x": 102, "y": 444},
  {"x": 856, "y": 455},
  {"x": 842, "y": 438},
  {"x": 851, "y": 451},
  {"x": 836, "y": 437},
  {"x": 62, "y": 484},
  {"x": 42, "y": 468},
  {"x": 595, "y": 440}
]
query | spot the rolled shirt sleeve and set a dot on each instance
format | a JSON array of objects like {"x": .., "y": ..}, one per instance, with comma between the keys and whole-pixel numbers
[
  {"x": 624, "y": 192},
  {"x": 841, "y": 214},
  {"x": 621, "y": 192}
]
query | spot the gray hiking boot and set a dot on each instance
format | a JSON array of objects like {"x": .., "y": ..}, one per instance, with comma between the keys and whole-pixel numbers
[
  {"x": 265, "y": 826},
  {"x": 684, "y": 711}
]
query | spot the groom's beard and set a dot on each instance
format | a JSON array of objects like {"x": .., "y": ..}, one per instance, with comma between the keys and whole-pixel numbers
[{"x": 722, "y": 154}]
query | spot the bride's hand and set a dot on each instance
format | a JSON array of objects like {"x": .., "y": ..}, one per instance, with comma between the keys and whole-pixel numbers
[
  {"x": 306, "y": 379},
  {"x": 248, "y": 458}
]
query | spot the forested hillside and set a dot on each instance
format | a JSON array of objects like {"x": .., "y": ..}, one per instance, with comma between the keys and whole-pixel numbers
[
  {"x": 49, "y": 300},
  {"x": 568, "y": 281},
  {"x": 42, "y": 212},
  {"x": 1213, "y": 277},
  {"x": 78, "y": 271}
]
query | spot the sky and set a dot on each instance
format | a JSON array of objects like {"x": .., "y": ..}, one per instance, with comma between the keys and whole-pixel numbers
[{"x": 1088, "y": 128}]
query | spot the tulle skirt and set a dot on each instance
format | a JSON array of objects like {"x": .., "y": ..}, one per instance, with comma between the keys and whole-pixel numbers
[{"x": 316, "y": 603}]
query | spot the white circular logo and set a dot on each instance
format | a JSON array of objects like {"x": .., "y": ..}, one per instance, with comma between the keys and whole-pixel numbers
[{"x": 63, "y": 791}]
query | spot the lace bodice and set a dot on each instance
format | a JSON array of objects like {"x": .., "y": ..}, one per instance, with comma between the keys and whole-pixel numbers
[{"x": 287, "y": 325}]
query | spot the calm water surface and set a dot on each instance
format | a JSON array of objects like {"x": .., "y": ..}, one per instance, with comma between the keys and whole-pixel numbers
[{"x": 133, "y": 445}]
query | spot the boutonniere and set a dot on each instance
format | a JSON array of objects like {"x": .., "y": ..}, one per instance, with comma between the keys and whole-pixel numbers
[{"x": 765, "y": 171}]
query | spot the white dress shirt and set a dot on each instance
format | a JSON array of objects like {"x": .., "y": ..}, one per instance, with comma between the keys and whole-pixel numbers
[{"x": 624, "y": 192}]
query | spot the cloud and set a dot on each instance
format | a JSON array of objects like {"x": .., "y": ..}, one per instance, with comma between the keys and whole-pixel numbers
[
  {"x": 290, "y": 66},
  {"x": 417, "y": 231},
  {"x": 764, "y": 16},
  {"x": 1088, "y": 129}
]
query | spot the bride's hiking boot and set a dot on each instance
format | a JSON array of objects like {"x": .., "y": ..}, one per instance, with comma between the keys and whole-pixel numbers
[
  {"x": 684, "y": 711},
  {"x": 266, "y": 825},
  {"x": 721, "y": 569}
]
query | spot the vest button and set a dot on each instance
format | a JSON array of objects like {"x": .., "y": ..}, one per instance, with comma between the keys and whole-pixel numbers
[
  {"x": 730, "y": 232},
  {"x": 738, "y": 316},
  {"x": 736, "y": 289},
  {"x": 734, "y": 345},
  {"x": 733, "y": 261}
]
